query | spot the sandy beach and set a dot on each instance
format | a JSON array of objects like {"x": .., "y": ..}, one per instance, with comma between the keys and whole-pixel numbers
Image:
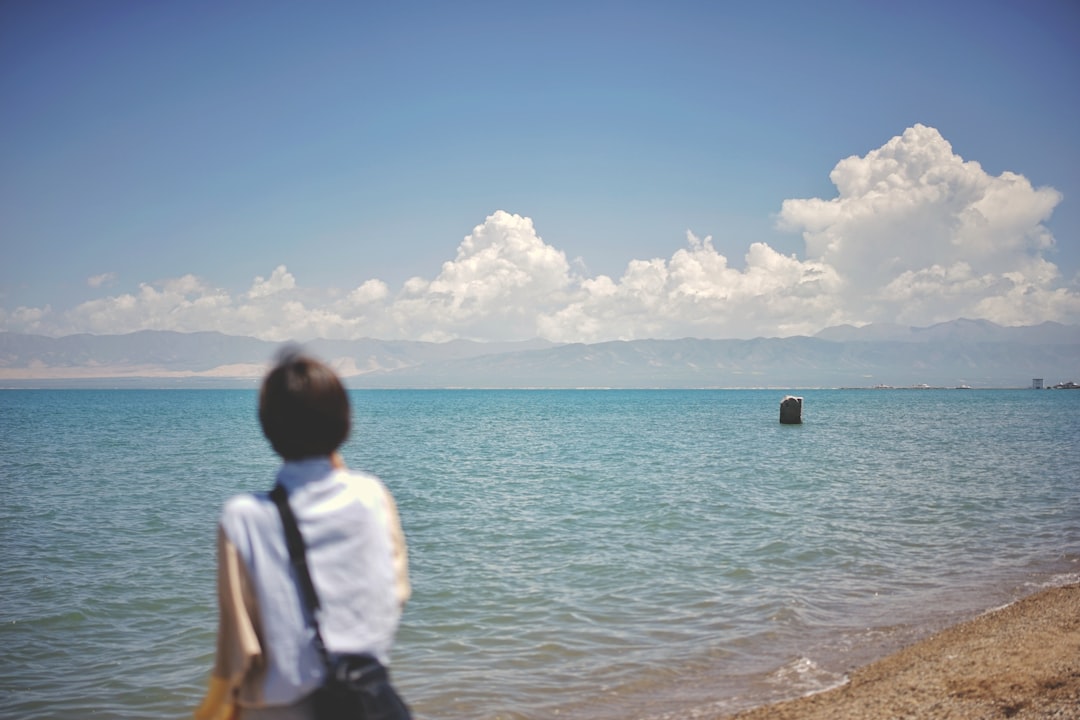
[{"x": 1020, "y": 661}]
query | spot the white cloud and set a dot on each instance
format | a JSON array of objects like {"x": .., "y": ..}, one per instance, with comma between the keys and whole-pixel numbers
[
  {"x": 27, "y": 320},
  {"x": 96, "y": 281},
  {"x": 184, "y": 304},
  {"x": 921, "y": 235},
  {"x": 372, "y": 291},
  {"x": 503, "y": 278},
  {"x": 280, "y": 280},
  {"x": 915, "y": 235},
  {"x": 697, "y": 294}
]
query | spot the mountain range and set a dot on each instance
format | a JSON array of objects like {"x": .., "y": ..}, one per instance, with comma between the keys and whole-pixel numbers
[{"x": 975, "y": 353}]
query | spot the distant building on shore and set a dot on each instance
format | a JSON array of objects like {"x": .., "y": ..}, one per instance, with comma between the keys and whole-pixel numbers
[{"x": 1036, "y": 383}]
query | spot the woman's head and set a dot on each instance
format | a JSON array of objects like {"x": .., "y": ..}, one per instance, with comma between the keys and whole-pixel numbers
[{"x": 303, "y": 408}]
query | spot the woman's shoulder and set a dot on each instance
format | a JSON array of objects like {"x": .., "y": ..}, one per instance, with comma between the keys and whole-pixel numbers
[
  {"x": 246, "y": 504},
  {"x": 243, "y": 511},
  {"x": 366, "y": 487}
]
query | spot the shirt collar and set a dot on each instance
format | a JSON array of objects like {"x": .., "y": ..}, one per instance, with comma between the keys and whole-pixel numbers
[{"x": 295, "y": 473}]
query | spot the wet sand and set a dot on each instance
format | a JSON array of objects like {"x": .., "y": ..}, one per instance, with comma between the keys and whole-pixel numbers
[{"x": 1021, "y": 661}]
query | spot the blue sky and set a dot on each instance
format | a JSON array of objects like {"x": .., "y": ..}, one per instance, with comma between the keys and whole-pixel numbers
[{"x": 577, "y": 171}]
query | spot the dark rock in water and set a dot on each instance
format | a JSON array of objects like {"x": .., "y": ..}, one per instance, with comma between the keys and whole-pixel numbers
[{"x": 791, "y": 410}]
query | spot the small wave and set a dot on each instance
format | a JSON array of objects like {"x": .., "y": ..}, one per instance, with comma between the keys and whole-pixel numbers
[
  {"x": 803, "y": 676},
  {"x": 1060, "y": 580},
  {"x": 799, "y": 677}
]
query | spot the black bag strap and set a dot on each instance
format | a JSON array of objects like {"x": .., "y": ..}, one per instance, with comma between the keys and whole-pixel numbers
[
  {"x": 382, "y": 701},
  {"x": 298, "y": 557}
]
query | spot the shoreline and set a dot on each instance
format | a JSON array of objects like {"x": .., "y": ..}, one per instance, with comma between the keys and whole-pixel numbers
[{"x": 1018, "y": 661}]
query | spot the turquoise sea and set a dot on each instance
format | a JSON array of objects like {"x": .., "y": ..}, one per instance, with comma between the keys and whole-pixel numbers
[{"x": 586, "y": 554}]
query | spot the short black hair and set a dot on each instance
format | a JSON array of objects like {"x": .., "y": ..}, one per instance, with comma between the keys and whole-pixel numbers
[{"x": 303, "y": 408}]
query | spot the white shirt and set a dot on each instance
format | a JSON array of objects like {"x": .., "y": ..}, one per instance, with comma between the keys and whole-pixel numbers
[{"x": 356, "y": 556}]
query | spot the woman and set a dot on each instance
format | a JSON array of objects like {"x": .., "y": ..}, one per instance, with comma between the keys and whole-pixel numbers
[{"x": 267, "y": 665}]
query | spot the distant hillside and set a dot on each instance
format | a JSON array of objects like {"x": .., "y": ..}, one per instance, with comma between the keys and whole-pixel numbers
[
  {"x": 180, "y": 351},
  {"x": 972, "y": 331},
  {"x": 962, "y": 352},
  {"x": 763, "y": 362}
]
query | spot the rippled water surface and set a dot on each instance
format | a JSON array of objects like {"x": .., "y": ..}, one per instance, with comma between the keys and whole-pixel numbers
[{"x": 602, "y": 554}]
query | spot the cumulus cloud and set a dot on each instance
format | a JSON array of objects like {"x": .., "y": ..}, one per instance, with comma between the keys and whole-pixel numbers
[
  {"x": 696, "y": 293},
  {"x": 184, "y": 304},
  {"x": 28, "y": 320},
  {"x": 279, "y": 280},
  {"x": 96, "y": 281},
  {"x": 503, "y": 278},
  {"x": 372, "y": 291},
  {"x": 920, "y": 235},
  {"x": 915, "y": 235}
]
